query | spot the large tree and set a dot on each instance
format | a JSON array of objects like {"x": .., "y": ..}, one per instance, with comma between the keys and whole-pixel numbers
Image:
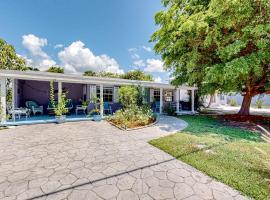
[
  {"x": 9, "y": 59},
  {"x": 221, "y": 45}
]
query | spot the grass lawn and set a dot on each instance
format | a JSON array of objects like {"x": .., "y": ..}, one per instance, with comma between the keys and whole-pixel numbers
[{"x": 234, "y": 156}]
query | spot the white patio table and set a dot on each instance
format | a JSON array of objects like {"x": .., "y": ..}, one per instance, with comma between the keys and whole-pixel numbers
[{"x": 19, "y": 112}]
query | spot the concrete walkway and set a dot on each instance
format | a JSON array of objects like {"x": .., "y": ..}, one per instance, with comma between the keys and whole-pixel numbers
[{"x": 94, "y": 160}]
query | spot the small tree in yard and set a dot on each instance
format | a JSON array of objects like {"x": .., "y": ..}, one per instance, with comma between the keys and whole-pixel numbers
[
  {"x": 128, "y": 96},
  {"x": 220, "y": 45}
]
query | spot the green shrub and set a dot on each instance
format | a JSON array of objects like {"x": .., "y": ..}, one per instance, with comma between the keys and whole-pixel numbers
[
  {"x": 128, "y": 96},
  {"x": 170, "y": 111},
  {"x": 232, "y": 102},
  {"x": 133, "y": 116},
  {"x": 259, "y": 103}
]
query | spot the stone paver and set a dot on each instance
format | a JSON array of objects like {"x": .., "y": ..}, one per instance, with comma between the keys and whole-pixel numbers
[{"x": 90, "y": 160}]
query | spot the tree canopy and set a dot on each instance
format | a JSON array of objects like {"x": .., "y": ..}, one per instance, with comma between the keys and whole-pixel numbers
[
  {"x": 137, "y": 75},
  {"x": 9, "y": 59},
  {"x": 56, "y": 69},
  {"x": 132, "y": 75},
  {"x": 221, "y": 45}
]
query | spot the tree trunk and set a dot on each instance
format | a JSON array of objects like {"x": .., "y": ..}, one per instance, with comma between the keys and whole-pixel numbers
[
  {"x": 211, "y": 100},
  {"x": 245, "y": 104}
]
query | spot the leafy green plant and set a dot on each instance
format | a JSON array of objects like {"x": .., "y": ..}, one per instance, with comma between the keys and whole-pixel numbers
[
  {"x": 259, "y": 103},
  {"x": 169, "y": 110},
  {"x": 84, "y": 103},
  {"x": 128, "y": 96},
  {"x": 217, "y": 45},
  {"x": 232, "y": 102},
  {"x": 133, "y": 116},
  {"x": 59, "y": 107},
  {"x": 134, "y": 113},
  {"x": 56, "y": 69}
]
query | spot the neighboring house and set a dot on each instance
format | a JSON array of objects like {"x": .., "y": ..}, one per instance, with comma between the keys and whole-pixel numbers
[
  {"x": 34, "y": 86},
  {"x": 224, "y": 99}
]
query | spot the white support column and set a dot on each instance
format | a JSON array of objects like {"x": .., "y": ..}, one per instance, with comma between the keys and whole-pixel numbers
[
  {"x": 177, "y": 100},
  {"x": 101, "y": 100},
  {"x": 192, "y": 100},
  {"x": 161, "y": 101},
  {"x": 59, "y": 91},
  {"x": 13, "y": 96},
  {"x": 3, "y": 100}
]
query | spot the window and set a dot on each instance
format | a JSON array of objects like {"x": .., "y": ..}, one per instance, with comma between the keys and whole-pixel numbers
[
  {"x": 156, "y": 95},
  {"x": 107, "y": 94},
  {"x": 168, "y": 96}
]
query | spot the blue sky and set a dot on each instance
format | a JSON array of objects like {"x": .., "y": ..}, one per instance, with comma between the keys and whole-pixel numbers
[{"x": 110, "y": 35}]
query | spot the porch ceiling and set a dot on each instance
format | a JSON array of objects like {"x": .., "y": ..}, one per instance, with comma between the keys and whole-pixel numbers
[{"x": 46, "y": 76}]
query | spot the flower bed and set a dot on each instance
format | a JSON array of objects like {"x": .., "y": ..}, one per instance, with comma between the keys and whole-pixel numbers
[{"x": 133, "y": 117}]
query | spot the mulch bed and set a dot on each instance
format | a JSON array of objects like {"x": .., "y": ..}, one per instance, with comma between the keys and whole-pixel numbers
[{"x": 248, "y": 122}]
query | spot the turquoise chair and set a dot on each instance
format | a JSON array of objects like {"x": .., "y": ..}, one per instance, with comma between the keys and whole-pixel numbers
[
  {"x": 107, "y": 108},
  {"x": 34, "y": 107}
]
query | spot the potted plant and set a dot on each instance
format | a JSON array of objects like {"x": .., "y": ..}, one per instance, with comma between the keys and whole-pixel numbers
[
  {"x": 95, "y": 113},
  {"x": 84, "y": 103},
  {"x": 60, "y": 108}
]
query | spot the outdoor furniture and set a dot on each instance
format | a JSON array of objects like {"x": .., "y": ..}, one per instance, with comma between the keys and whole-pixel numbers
[
  {"x": 34, "y": 107},
  {"x": 69, "y": 105},
  {"x": 20, "y": 112},
  {"x": 80, "y": 108},
  {"x": 107, "y": 107}
]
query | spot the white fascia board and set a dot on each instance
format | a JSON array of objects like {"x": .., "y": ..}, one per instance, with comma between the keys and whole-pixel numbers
[{"x": 68, "y": 78}]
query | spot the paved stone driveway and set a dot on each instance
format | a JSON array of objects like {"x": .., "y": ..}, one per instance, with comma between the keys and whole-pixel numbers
[{"x": 89, "y": 160}]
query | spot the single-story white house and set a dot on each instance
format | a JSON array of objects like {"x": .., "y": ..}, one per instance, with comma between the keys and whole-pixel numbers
[{"x": 34, "y": 86}]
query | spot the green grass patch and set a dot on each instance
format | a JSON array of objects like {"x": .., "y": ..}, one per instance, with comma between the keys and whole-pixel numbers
[{"x": 234, "y": 156}]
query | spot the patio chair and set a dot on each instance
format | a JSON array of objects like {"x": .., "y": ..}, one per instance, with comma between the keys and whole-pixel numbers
[
  {"x": 69, "y": 105},
  {"x": 107, "y": 107},
  {"x": 34, "y": 107}
]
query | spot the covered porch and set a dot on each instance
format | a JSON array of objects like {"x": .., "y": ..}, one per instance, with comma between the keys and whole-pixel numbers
[{"x": 18, "y": 88}]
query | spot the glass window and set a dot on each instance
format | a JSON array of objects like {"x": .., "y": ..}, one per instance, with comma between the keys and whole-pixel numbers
[
  {"x": 107, "y": 94},
  {"x": 168, "y": 96},
  {"x": 156, "y": 95}
]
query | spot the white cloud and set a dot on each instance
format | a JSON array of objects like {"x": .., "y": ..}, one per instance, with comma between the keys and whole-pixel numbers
[
  {"x": 135, "y": 56},
  {"x": 132, "y": 50},
  {"x": 148, "y": 49},
  {"x": 58, "y": 46},
  {"x": 139, "y": 63},
  {"x": 154, "y": 65},
  {"x": 76, "y": 58},
  {"x": 38, "y": 58}
]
